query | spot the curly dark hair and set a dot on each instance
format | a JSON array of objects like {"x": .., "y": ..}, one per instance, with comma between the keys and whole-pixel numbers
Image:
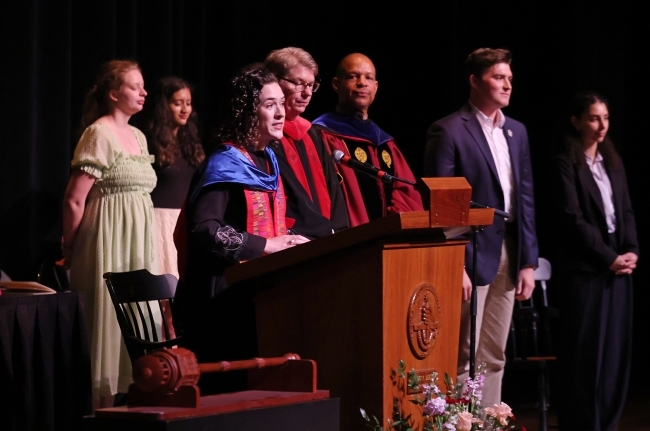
[
  {"x": 110, "y": 77},
  {"x": 579, "y": 104},
  {"x": 238, "y": 119},
  {"x": 159, "y": 126}
]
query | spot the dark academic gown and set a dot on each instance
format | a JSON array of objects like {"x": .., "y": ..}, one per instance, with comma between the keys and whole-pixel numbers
[
  {"x": 219, "y": 322},
  {"x": 315, "y": 204},
  {"x": 368, "y": 198},
  {"x": 595, "y": 304}
]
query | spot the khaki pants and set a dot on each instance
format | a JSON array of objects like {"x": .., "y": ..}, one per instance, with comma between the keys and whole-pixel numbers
[{"x": 493, "y": 315}]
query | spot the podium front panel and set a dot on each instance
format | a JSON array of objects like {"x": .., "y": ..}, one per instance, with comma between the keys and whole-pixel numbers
[
  {"x": 330, "y": 312},
  {"x": 421, "y": 315},
  {"x": 348, "y": 311}
]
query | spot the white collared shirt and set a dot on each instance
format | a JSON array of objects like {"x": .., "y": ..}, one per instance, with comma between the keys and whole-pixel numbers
[
  {"x": 597, "y": 168},
  {"x": 501, "y": 154}
]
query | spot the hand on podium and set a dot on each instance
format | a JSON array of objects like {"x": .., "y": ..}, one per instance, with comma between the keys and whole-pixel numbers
[{"x": 282, "y": 242}]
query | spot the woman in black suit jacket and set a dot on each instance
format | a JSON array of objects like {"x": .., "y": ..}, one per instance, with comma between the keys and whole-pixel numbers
[{"x": 600, "y": 249}]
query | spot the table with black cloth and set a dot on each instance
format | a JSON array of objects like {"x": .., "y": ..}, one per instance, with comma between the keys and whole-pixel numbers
[{"x": 44, "y": 362}]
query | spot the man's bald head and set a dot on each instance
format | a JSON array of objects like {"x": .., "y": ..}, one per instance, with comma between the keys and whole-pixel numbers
[
  {"x": 351, "y": 59},
  {"x": 355, "y": 83}
]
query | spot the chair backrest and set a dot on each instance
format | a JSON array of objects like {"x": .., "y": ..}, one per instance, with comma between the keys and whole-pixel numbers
[
  {"x": 52, "y": 275},
  {"x": 140, "y": 300},
  {"x": 3, "y": 276},
  {"x": 527, "y": 318},
  {"x": 543, "y": 274},
  {"x": 543, "y": 271},
  {"x": 523, "y": 341}
]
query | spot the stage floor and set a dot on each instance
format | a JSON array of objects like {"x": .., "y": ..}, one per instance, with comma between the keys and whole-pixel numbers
[{"x": 634, "y": 417}]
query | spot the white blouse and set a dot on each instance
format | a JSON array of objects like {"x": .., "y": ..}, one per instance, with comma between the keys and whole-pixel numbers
[{"x": 599, "y": 173}]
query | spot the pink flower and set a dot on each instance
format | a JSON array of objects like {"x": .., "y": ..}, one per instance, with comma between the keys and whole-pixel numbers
[
  {"x": 435, "y": 406},
  {"x": 502, "y": 412},
  {"x": 464, "y": 421}
]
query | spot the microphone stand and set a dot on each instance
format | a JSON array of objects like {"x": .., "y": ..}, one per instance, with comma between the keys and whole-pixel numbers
[
  {"x": 340, "y": 158},
  {"x": 386, "y": 177},
  {"x": 393, "y": 178},
  {"x": 473, "y": 303},
  {"x": 473, "y": 306}
]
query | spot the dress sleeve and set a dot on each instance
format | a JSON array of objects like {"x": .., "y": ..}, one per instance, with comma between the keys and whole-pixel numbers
[
  {"x": 96, "y": 151},
  {"x": 211, "y": 233}
]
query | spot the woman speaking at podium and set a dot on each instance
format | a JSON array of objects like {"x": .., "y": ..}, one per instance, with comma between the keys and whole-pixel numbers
[
  {"x": 600, "y": 245},
  {"x": 235, "y": 211}
]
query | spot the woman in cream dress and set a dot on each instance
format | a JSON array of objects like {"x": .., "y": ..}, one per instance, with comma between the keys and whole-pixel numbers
[{"x": 108, "y": 215}]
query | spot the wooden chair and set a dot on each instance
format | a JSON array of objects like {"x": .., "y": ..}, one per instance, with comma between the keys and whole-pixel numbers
[
  {"x": 52, "y": 275},
  {"x": 3, "y": 276},
  {"x": 138, "y": 297},
  {"x": 526, "y": 349}
]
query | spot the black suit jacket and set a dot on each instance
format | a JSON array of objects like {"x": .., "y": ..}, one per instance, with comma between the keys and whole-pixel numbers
[
  {"x": 456, "y": 147},
  {"x": 584, "y": 242}
]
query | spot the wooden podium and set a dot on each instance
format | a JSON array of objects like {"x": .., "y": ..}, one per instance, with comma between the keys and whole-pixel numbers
[{"x": 360, "y": 300}]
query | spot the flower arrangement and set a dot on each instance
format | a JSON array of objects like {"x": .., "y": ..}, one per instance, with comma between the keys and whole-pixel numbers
[{"x": 457, "y": 409}]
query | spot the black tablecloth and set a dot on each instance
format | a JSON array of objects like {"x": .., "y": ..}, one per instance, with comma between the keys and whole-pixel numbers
[{"x": 44, "y": 363}]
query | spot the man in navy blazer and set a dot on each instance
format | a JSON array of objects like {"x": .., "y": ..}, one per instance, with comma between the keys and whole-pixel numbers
[{"x": 491, "y": 151}]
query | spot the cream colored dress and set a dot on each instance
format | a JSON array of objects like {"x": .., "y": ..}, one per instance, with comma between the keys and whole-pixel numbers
[
  {"x": 166, "y": 219},
  {"x": 116, "y": 234}
]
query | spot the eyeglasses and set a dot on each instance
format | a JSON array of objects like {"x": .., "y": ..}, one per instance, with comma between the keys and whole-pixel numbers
[{"x": 299, "y": 87}]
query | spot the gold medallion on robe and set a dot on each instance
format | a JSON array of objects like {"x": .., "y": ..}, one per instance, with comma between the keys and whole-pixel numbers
[
  {"x": 386, "y": 158},
  {"x": 360, "y": 155}
]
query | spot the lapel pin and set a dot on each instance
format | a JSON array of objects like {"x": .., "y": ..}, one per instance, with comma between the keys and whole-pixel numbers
[{"x": 510, "y": 133}]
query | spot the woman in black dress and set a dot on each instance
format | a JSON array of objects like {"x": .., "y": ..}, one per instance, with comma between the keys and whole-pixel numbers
[
  {"x": 600, "y": 251},
  {"x": 173, "y": 138}
]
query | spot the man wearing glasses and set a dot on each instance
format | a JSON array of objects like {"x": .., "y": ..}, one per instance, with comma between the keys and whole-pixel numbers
[
  {"x": 315, "y": 205},
  {"x": 351, "y": 131}
]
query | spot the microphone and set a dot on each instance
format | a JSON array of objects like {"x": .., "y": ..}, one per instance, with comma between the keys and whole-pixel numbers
[
  {"x": 341, "y": 159},
  {"x": 498, "y": 212}
]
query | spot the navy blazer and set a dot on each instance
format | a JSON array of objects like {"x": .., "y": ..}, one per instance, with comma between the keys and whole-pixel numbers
[
  {"x": 456, "y": 147},
  {"x": 584, "y": 240}
]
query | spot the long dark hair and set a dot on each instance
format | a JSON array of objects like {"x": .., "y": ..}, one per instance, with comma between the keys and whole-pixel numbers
[
  {"x": 110, "y": 77},
  {"x": 159, "y": 126},
  {"x": 580, "y": 104},
  {"x": 238, "y": 118}
]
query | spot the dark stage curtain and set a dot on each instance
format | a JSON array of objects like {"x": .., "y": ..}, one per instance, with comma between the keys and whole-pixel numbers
[{"x": 52, "y": 50}]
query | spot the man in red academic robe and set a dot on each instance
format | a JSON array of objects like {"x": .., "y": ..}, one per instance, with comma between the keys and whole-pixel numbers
[
  {"x": 315, "y": 204},
  {"x": 350, "y": 130}
]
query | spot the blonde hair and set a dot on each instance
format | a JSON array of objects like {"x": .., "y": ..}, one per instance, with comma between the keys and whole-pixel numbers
[{"x": 280, "y": 61}]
